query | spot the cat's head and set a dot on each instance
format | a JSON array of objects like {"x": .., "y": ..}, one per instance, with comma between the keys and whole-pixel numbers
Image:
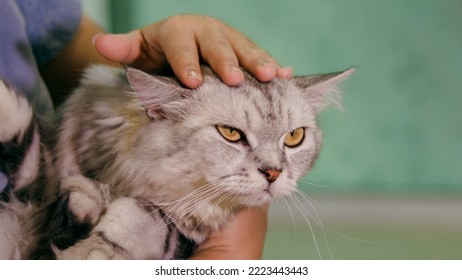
[{"x": 248, "y": 144}]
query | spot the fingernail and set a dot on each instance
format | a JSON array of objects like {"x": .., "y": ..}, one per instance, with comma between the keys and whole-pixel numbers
[
  {"x": 234, "y": 69},
  {"x": 234, "y": 76},
  {"x": 285, "y": 72},
  {"x": 267, "y": 71},
  {"x": 96, "y": 37},
  {"x": 268, "y": 65},
  {"x": 194, "y": 77}
]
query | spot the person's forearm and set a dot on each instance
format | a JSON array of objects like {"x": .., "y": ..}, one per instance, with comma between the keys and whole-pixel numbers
[{"x": 64, "y": 71}]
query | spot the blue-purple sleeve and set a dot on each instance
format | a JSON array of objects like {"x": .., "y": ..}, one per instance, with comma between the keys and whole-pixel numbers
[
  {"x": 50, "y": 25},
  {"x": 32, "y": 33}
]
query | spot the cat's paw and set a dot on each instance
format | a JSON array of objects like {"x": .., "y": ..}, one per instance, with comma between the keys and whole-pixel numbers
[
  {"x": 97, "y": 254},
  {"x": 93, "y": 248},
  {"x": 87, "y": 198},
  {"x": 84, "y": 253}
]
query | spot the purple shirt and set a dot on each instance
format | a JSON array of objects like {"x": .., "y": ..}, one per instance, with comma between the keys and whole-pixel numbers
[{"x": 32, "y": 32}]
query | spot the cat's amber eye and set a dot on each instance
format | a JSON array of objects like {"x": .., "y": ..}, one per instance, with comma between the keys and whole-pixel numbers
[
  {"x": 294, "y": 137},
  {"x": 230, "y": 133}
]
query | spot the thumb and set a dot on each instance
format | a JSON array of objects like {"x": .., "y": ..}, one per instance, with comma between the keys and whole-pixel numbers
[{"x": 120, "y": 48}]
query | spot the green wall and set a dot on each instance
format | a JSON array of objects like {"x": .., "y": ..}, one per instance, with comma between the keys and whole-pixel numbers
[{"x": 401, "y": 129}]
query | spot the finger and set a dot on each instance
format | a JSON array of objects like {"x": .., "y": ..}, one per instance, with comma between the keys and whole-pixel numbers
[
  {"x": 221, "y": 57},
  {"x": 181, "y": 53},
  {"x": 184, "y": 61},
  {"x": 285, "y": 72},
  {"x": 174, "y": 39},
  {"x": 121, "y": 48},
  {"x": 254, "y": 59},
  {"x": 130, "y": 49},
  {"x": 218, "y": 53}
]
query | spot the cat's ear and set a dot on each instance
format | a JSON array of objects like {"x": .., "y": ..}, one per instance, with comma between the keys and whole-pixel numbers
[
  {"x": 322, "y": 89},
  {"x": 154, "y": 91}
]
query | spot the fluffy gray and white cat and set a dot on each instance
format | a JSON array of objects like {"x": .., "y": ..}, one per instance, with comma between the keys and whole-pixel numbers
[{"x": 139, "y": 167}]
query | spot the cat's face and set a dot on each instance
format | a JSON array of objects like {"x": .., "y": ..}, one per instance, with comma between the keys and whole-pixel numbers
[{"x": 249, "y": 144}]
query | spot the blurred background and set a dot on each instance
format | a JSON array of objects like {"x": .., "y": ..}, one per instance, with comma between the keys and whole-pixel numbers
[{"x": 388, "y": 184}]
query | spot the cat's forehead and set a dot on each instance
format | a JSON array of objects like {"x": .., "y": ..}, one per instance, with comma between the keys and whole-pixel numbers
[{"x": 275, "y": 106}]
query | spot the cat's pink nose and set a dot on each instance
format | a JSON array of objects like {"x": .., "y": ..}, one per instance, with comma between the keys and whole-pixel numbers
[{"x": 270, "y": 174}]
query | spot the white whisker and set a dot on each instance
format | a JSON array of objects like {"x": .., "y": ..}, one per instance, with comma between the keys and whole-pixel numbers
[
  {"x": 291, "y": 216},
  {"x": 311, "y": 203},
  {"x": 189, "y": 203},
  {"x": 300, "y": 208},
  {"x": 306, "y": 182},
  {"x": 202, "y": 199}
]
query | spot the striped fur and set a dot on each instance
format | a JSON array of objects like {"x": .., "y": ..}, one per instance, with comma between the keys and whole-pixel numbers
[
  {"x": 20, "y": 161},
  {"x": 138, "y": 169}
]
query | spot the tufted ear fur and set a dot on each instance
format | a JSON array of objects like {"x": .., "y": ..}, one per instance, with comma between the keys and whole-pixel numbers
[
  {"x": 322, "y": 89},
  {"x": 154, "y": 91}
]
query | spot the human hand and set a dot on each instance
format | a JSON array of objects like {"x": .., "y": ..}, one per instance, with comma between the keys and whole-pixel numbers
[
  {"x": 242, "y": 238},
  {"x": 181, "y": 41}
]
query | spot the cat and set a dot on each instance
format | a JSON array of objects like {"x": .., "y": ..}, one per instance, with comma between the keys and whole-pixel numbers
[{"x": 138, "y": 167}]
